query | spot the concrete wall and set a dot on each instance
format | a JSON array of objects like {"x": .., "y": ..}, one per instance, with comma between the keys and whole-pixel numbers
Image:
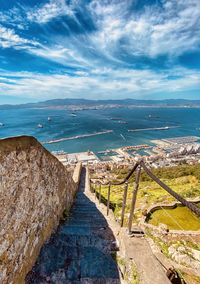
[{"x": 35, "y": 188}]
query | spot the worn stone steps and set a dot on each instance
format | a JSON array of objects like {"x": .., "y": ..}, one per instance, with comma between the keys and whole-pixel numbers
[{"x": 80, "y": 251}]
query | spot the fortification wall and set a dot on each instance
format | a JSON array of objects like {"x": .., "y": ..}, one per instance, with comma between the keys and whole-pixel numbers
[{"x": 35, "y": 188}]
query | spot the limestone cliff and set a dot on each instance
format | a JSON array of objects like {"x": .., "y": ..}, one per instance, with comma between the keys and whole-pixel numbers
[{"x": 35, "y": 188}]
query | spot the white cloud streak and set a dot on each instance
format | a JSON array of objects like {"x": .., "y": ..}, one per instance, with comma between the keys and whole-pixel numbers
[
  {"x": 112, "y": 83},
  {"x": 49, "y": 11},
  {"x": 172, "y": 29},
  {"x": 9, "y": 38}
]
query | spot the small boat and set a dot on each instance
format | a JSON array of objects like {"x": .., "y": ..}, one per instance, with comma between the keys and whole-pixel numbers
[
  {"x": 1, "y": 124},
  {"x": 115, "y": 118},
  {"x": 40, "y": 125},
  {"x": 122, "y": 122},
  {"x": 153, "y": 116},
  {"x": 73, "y": 114},
  {"x": 49, "y": 118}
]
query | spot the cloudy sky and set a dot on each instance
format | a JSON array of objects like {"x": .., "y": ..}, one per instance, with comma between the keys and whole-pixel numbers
[{"x": 99, "y": 49}]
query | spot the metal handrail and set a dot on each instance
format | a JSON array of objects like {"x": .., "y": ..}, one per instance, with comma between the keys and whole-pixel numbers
[
  {"x": 188, "y": 204},
  {"x": 118, "y": 183},
  {"x": 138, "y": 167}
]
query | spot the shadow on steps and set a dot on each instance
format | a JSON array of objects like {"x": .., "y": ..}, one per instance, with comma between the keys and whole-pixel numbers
[{"x": 82, "y": 251}]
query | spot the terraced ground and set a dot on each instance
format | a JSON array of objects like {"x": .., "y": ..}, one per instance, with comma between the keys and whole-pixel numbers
[
  {"x": 180, "y": 217},
  {"x": 185, "y": 180}
]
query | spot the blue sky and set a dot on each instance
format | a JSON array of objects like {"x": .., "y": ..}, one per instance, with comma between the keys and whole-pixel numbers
[{"x": 99, "y": 49}]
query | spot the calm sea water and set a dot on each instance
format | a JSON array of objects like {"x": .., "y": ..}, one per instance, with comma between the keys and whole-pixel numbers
[{"x": 63, "y": 124}]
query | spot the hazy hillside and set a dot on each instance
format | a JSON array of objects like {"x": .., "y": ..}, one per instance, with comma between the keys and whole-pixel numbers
[{"x": 125, "y": 102}]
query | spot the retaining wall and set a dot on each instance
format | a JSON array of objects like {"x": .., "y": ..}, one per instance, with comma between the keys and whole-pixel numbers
[{"x": 35, "y": 188}]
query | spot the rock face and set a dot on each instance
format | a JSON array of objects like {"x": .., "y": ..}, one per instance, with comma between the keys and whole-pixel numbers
[{"x": 35, "y": 188}]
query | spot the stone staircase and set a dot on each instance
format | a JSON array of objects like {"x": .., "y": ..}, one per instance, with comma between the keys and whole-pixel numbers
[{"x": 81, "y": 251}]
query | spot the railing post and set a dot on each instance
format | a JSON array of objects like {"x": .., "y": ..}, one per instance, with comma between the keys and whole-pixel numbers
[
  {"x": 95, "y": 191},
  {"x": 133, "y": 201},
  {"x": 124, "y": 203},
  {"x": 108, "y": 199},
  {"x": 99, "y": 193},
  {"x": 91, "y": 186}
]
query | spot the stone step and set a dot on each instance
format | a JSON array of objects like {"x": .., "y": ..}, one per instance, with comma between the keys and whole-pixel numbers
[
  {"x": 80, "y": 252},
  {"x": 86, "y": 222},
  {"x": 86, "y": 241}
]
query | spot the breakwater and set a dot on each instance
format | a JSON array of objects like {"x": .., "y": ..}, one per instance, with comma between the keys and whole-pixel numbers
[
  {"x": 152, "y": 128},
  {"x": 77, "y": 137}
]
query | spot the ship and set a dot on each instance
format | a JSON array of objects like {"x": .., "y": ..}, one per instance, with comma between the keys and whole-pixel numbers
[
  {"x": 40, "y": 125},
  {"x": 49, "y": 118},
  {"x": 153, "y": 116},
  {"x": 114, "y": 118},
  {"x": 122, "y": 122},
  {"x": 1, "y": 124}
]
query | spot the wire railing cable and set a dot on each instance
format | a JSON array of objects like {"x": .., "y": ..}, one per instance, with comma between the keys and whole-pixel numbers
[
  {"x": 140, "y": 164},
  {"x": 188, "y": 204},
  {"x": 97, "y": 180}
]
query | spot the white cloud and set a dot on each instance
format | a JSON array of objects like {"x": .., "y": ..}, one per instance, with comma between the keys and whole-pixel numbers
[
  {"x": 95, "y": 55},
  {"x": 113, "y": 83},
  {"x": 49, "y": 11},
  {"x": 64, "y": 56},
  {"x": 14, "y": 17},
  {"x": 172, "y": 29},
  {"x": 9, "y": 38}
]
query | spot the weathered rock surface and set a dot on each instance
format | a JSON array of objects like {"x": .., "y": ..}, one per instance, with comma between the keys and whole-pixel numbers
[
  {"x": 185, "y": 256},
  {"x": 35, "y": 188}
]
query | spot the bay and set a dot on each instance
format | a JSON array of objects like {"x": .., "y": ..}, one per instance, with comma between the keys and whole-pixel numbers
[{"x": 177, "y": 121}]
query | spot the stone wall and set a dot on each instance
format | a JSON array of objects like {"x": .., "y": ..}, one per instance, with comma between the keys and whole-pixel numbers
[
  {"x": 35, "y": 188},
  {"x": 162, "y": 229}
]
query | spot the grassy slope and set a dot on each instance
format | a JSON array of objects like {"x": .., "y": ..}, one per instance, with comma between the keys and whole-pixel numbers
[
  {"x": 186, "y": 219},
  {"x": 184, "y": 179}
]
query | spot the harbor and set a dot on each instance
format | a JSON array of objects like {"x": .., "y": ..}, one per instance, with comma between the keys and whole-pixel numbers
[{"x": 164, "y": 152}]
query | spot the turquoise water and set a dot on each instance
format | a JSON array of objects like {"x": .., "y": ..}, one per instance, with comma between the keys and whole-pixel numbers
[
  {"x": 63, "y": 125},
  {"x": 139, "y": 152}
]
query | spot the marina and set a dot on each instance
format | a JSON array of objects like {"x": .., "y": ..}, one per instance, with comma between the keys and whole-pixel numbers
[{"x": 169, "y": 150}]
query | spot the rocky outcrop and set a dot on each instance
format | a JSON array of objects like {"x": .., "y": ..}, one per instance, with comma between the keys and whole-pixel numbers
[
  {"x": 185, "y": 255},
  {"x": 35, "y": 188}
]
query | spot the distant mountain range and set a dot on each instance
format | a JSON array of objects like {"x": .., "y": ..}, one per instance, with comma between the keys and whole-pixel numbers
[{"x": 84, "y": 103}]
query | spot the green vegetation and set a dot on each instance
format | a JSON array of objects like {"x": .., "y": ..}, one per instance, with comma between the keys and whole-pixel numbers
[
  {"x": 183, "y": 179},
  {"x": 186, "y": 220},
  {"x": 163, "y": 245},
  {"x": 193, "y": 279},
  {"x": 128, "y": 269}
]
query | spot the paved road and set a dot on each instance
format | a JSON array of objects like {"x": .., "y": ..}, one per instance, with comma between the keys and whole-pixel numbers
[{"x": 80, "y": 251}]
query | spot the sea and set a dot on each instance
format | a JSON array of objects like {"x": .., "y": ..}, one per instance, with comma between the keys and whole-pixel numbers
[{"x": 149, "y": 123}]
